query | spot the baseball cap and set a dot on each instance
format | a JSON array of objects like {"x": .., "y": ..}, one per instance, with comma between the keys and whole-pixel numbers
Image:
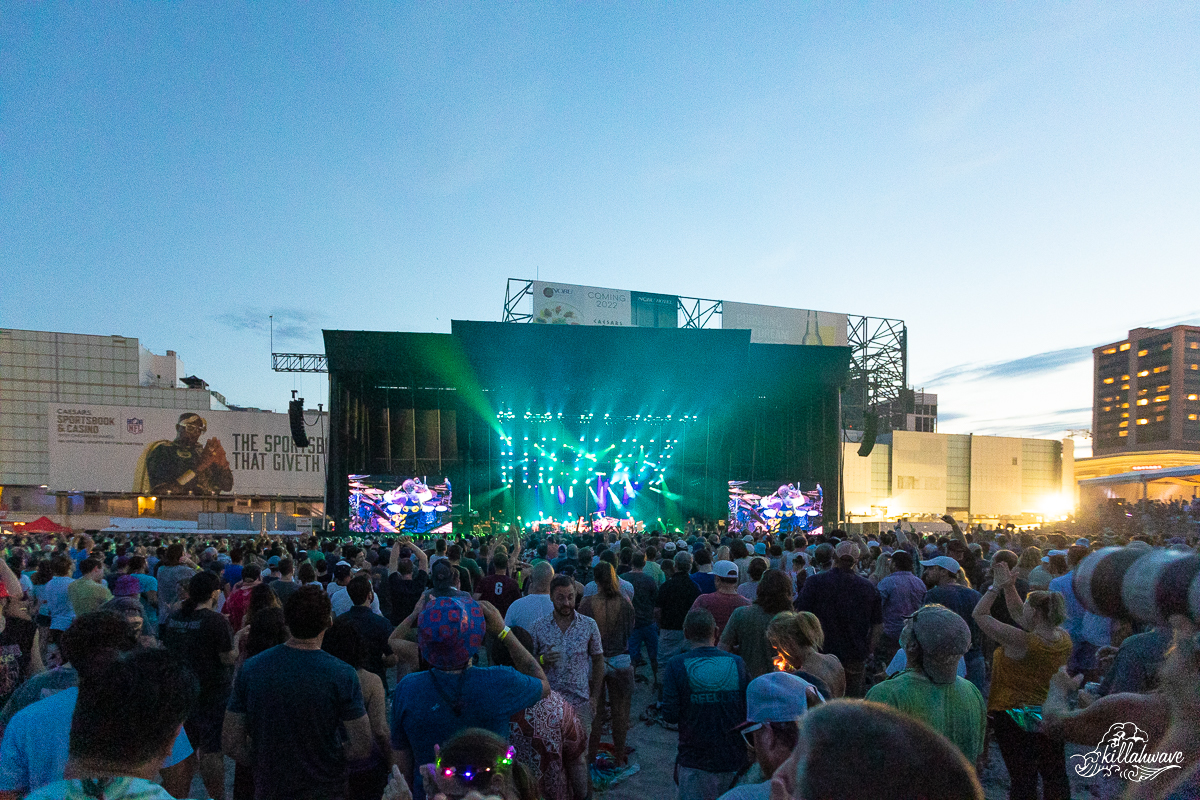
[
  {"x": 273, "y": 561},
  {"x": 725, "y": 569},
  {"x": 774, "y": 697},
  {"x": 748, "y": 539},
  {"x": 945, "y": 562},
  {"x": 760, "y": 549},
  {"x": 944, "y": 637},
  {"x": 449, "y": 631},
  {"x": 846, "y": 550},
  {"x": 681, "y": 544},
  {"x": 669, "y": 547},
  {"x": 442, "y": 574},
  {"x": 1083, "y": 542}
]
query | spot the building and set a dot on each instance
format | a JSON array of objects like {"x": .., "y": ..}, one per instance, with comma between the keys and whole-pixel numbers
[
  {"x": 981, "y": 478},
  {"x": 914, "y": 411},
  {"x": 74, "y": 409},
  {"x": 1146, "y": 394}
]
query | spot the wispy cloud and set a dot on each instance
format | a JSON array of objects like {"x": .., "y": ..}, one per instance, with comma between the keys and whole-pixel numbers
[
  {"x": 1017, "y": 367},
  {"x": 292, "y": 325}
]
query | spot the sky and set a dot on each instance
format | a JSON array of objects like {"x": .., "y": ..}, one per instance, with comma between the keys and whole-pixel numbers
[{"x": 1017, "y": 181}]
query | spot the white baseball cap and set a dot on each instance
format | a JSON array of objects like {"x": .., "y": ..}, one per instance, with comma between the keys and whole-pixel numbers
[{"x": 725, "y": 569}]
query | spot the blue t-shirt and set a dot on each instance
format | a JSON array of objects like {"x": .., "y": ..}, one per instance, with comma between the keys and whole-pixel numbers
[
  {"x": 37, "y": 743},
  {"x": 704, "y": 691},
  {"x": 706, "y": 581},
  {"x": 148, "y": 583},
  {"x": 962, "y": 601},
  {"x": 232, "y": 574},
  {"x": 422, "y": 712},
  {"x": 295, "y": 702}
]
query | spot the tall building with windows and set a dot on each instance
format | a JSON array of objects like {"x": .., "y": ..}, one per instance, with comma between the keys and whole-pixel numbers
[{"x": 1147, "y": 392}]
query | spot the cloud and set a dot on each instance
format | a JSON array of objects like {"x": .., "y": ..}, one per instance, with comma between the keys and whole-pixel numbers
[
  {"x": 1048, "y": 423},
  {"x": 1015, "y": 368},
  {"x": 292, "y": 325}
]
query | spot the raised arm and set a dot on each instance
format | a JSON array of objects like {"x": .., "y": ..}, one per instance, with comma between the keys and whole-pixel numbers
[
  {"x": 958, "y": 534},
  {"x": 1013, "y": 639},
  {"x": 523, "y": 660}
]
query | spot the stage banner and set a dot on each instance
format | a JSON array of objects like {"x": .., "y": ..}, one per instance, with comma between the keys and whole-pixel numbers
[
  {"x": 162, "y": 451},
  {"x": 567, "y": 304},
  {"x": 775, "y": 325}
]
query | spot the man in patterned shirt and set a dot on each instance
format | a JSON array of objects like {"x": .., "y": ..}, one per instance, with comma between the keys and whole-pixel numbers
[{"x": 568, "y": 646}]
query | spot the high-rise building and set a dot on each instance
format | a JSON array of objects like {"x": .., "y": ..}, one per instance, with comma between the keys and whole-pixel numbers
[
  {"x": 1147, "y": 392},
  {"x": 912, "y": 411}
]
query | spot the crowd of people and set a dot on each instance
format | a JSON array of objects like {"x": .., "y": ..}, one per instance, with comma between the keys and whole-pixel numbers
[{"x": 807, "y": 666}]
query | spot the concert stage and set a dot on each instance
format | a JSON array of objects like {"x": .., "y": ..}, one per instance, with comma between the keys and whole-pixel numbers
[{"x": 507, "y": 421}]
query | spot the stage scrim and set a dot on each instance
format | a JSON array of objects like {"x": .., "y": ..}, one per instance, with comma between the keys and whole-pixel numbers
[{"x": 538, "y": 421}]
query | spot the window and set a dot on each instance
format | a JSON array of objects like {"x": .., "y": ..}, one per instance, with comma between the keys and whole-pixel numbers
[
  {"x": 1122, "y": 433},
  {"x": 1124, "y": 405},
  {"x": 1192, "y": 396},
  {"x": 1163, "y": 368},
  {"x": 1124, "y": 415},
  {"x": 1124, "y": 347},
  {"x": 1108, "y": 380},
  {"x": 1159, "y": 418},
  {"x": 1166, "y": 346},
  {"x": 1124, "y": 377},
  {"x": 1162, "y": 398},
  {"x": 1194, "y": 366},
  {"x": 1193, "y": 416},
  {"x": 1143, "y": 402},
  {"x": 1194, "y": 345},
  {"x": 1107, "y": 408},
  {"x": 1110, "y": 351},
  {"x": 1124, "y": 385},
  {"x": 1124, "y": 424},
  {"x": 1143, "y": 421},
  {"x": 1143, "y": 353},
  {"x": 1143, "y": 373}
]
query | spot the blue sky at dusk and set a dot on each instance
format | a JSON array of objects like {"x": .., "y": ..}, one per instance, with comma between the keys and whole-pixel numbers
[{"x": 1017, "y": 181}]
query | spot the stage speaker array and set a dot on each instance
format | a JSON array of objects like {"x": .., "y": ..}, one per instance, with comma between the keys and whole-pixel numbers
[
  {"x": 870, "y": 431},
  {"x": 296, "y": 418}
]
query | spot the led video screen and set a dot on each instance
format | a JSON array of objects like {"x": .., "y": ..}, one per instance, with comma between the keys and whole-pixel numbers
[
  {"x": 392, "y": 504},
  {"x": 766, "y": 506}
]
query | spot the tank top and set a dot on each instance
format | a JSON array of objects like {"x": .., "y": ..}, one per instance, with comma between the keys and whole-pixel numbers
[{"x": 1025, "y": 681}]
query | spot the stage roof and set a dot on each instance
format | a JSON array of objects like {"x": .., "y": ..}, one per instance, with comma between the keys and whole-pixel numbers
[{"x": 1188, "y": 476}]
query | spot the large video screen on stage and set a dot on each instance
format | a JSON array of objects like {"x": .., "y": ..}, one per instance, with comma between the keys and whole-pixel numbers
[
  {"x": 769, "y": 507},
  {"x": 395, "y": 504}
]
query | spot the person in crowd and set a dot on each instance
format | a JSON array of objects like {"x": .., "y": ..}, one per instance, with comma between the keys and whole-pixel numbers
[
  {"x": 367, "y": 777},
  {"x": 703, "y": 576},
  {"x": 1089, "y": 632},
  {"x": 124, "y": 727},
  {"x": 20, "y": 643},
  {"x": 238, "y": 599},
  {"x": 722, "y": 602},
  {"x": 498, "y": 588},
  {"x": 850, "y": 612},
  {"x": 675, "y": 599},
  {"x": 900, "y": 594},
  {"x": 570, "y": 647},
  {"x": 203, "y": 640},
  {"x": 1135, "y": 664},
  {"x": 260, "y": 597},
  {"x": 452, "y": 695},
  {"x": 1029, "y": 560},
  {"x": 298, "y": 749},
  {"x": 266, "y": 629},
  {"x": 477, "y": 763},
  {"x": 774, "y": 704},
  {"x": 796, "y": 638},
  {"x": 406, "y": 581},
  {"x": 284, "y": 585},
  {"x": 1001, "y": 611},
  {"x": 607, "y": 557},
  {"x": 943, "y": 575},
  {"x": 739, "y": 554},
  {"x": 855, "y": 750},
  {"x": 373, "y": 629},
  {"x": 934, "y": 639},
  {"x": 645, "y": 631},
  {"x": 523, "y": 613},
  {"x": 56, "y": 599},
  {"x": 548, "y": 737},
  {"x": 652, "y": 568},
  {"x": 173, "y": 574},
  {"x": 614, "y": 617},
  {"x": 749, "y": 589},
  {"x": 704, "y": 693},
  {"x": 746, "y": 632},
  {"x": 35, "y": 748},
  {"x": 1025, "y": 660}
]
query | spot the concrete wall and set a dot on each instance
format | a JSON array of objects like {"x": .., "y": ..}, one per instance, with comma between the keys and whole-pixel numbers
[
  {"x": 918, "y": 473},
  {"x": 995, "y": 475}
]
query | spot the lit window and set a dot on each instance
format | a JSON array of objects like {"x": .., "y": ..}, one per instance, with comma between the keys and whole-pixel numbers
[
  {"x": 1194, "y": 366},
  {"x": 1163, "y": 368},
  {"x": 1108, "y": 380},
  {"x": 1166, "y": 346},
  {"x": 1124, "y": 405},
  {"x": 1194, "y": 345},
  {"x": 1143, "y": 373},
  {"x": 1122, "y": 433},
  {"x": 1159, "y": 418},
  {"x": 1162, "y": 398},
  {"x": 1124, "y": 424},
  {"x": 1124, "y": 385},
  {"x": 1124, "y": 415},
  {"x": 1124, "y": 347},
  {"x": 1193, "y": 396},
  {"x": 1124, "y": 377},
  {"x": 1143, "y": 353},
  {"x": 1109, "y": 408},
  {"x": 1193, "y": 416},
  {"x": 1143, "y": 402},
  {"x": 1143, "y": 421}
]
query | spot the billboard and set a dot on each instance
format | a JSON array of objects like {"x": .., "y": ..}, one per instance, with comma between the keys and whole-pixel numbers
[
  {"x": 162, "y": 451},
  {"x": 775, "y": 325},
  {"x": 568, "y": 304}
]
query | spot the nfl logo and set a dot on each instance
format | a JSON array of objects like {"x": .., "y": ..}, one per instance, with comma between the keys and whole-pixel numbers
[{"x": 133, "y": 425}]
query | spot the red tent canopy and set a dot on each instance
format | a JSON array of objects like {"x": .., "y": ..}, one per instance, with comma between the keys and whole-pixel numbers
[{"x": 44, "y": 525}]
